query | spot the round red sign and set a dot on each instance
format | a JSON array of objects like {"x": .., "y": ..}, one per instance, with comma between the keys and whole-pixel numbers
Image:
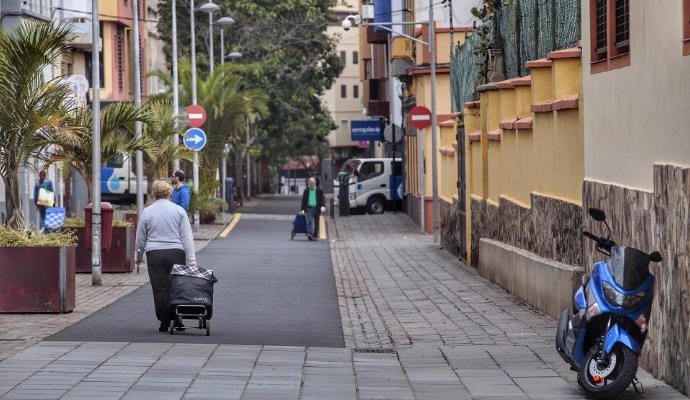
[
  {"x": 420, "y": 117},
  {"x": 196, "y": 116}
]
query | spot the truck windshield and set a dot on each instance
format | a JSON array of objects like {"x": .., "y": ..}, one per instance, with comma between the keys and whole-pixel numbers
[{"x": 350, "y": 167}]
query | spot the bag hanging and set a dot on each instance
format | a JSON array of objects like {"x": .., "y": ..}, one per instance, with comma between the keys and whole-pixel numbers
[{"x": 46, "y": 198}]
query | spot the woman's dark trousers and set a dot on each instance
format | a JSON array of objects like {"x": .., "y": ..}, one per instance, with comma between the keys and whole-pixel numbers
[{"x": 160, "y": 262}]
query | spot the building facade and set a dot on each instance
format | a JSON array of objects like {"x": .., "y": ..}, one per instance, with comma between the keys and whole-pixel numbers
[
  {"x": 636, "y": 64},
  {"x": 344, "y": 99}
]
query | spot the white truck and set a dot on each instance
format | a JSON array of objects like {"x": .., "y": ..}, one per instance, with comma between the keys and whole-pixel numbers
[
  {"x": 119, "y": 181},
  {"x": 373, "y": 183}
]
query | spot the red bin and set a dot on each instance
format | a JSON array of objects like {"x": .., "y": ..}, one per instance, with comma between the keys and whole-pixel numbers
[{"x": 106, "y": 224}]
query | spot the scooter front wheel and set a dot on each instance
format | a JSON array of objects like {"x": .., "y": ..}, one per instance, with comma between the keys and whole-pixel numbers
[{"x": 606, "y": 378}]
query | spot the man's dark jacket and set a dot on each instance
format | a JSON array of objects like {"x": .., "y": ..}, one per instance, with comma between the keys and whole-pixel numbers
[{"x": 320, "y": 199}]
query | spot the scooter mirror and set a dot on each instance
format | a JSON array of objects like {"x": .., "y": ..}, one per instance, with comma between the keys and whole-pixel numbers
[
  {"x": 656, "y": 257},
  {"x": 597, "y": 214}
]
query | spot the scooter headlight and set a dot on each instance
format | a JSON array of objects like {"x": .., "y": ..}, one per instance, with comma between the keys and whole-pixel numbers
[{"x": 619, "y": 299}]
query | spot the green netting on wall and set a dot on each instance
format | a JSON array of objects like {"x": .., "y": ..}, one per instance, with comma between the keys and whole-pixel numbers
[
  {"x": 465, "y": 72},
  {"x": 541, "y": 26},
  {"x": 526, "y": 30}
]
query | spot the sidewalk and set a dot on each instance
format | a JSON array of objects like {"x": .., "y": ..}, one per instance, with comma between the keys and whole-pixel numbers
[
  {"x": 399, "y": 292},
  {"x": 19, "y": 331},
  {"x": 417, "y": 323}
]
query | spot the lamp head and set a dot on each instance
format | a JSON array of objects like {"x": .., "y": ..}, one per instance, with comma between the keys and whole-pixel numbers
[
  {"x": 209, "y": 7},
  {"x": 225, "y": 21}
]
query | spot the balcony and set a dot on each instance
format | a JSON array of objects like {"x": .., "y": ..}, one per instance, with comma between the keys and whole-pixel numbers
[
  {"x": 81, "y": 33},
  {"x": 374, "y": 37},
  {"x": 378, "y": 108}
]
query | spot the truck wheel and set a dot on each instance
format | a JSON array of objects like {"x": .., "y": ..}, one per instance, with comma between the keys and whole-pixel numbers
[{"x": 375, "y": 205}]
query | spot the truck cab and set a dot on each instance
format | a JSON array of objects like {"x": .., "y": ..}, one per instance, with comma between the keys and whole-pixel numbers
[
  {"x": 119, "y": 180},
  {"x": 373, "y": 183}
]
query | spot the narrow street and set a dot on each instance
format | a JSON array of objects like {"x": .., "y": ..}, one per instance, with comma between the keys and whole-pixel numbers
[
  {"x": 270, "y": 291},
  {"x": 377, "y": 311}
]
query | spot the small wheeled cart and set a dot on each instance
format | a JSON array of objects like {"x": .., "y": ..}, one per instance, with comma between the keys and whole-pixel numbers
[
  {"x": 191, "y": 296},
  {"x": 299, "y": 225}
]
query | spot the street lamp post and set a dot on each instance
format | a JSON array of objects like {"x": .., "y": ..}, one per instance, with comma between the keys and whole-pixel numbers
[
  {"x": 137, "y": 103},
  {"x": 96, "y": 278},
  {"x": 223, "y": 23},
  {"x": 176, "y": 87},
  {"x": 209, "y": 8}
]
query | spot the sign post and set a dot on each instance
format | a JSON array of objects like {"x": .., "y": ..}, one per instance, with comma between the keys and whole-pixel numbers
[
  {"x": 196, "y": 138},
  {"x": 420, "y": 118}
]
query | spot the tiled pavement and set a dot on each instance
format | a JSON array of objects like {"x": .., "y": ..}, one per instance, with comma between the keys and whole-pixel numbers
[
  {"x": 19, "y": 331},
  {"x": 418, "y": 325}
]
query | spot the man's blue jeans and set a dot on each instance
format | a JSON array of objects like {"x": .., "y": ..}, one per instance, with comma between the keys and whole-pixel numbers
[{"x": 313, "y": 215}]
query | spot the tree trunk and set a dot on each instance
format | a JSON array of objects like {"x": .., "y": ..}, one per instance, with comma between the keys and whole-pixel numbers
[{"x": 15, "y": 216}]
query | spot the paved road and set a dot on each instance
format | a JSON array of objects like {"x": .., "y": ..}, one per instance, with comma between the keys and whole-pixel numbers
[
  {"x": 271, "y": 291},
  {"x": 284, "y": 205}
]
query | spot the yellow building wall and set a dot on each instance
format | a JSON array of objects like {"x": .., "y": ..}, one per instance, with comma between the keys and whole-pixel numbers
[
  {"x": 108, "y": 60},
  {"x": 546, "y": 159}
]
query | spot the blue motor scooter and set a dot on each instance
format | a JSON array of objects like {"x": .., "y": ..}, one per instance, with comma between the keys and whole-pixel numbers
[{"x": 602, "y": 336}]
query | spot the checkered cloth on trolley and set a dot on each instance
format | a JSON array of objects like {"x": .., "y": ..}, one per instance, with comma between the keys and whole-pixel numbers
[
  {"x": 55, "y": 217},
  {"x": 196, "y": 272}
]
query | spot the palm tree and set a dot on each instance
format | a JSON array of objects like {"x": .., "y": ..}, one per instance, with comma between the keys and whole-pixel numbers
[
  {"x": 34, "y": 113},
  {"x": 117, "y": 137},
  {"x": 227, "y": 103},
  {"x": 161, "y": 131}
]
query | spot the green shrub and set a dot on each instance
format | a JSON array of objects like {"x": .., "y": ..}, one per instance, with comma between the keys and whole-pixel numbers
[
  {"x": 15, "y": 238},
  {"x": 79, "y": 223},
  {"x": 209, "y": 207}
]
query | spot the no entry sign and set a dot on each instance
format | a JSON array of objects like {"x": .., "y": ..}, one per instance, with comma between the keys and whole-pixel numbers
[
  {"x": 196, "y": 116},
  {"x": 420, "y": 117}
]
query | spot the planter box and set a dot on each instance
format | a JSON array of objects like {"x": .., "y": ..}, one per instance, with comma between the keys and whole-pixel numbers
[
  {"x": 119, "y": 258},
  {"x": 37, "y": 279}
]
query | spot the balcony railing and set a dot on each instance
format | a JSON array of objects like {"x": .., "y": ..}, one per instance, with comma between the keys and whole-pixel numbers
[{"x": 378, "y": 108}]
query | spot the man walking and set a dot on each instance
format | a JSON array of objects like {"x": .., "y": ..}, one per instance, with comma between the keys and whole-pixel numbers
[
  {"x": 181, "y": 193},
  {"x": 313, "y": 204},
  {"x": 47, "y": 185}
]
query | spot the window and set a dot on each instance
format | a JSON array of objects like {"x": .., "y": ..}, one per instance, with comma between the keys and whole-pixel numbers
[
  {"x": 343, "y": 58},
  {"x": 367, "y": 69},
  {"x": 116, "y": 161},
  {"x": 370, "y": 170},
  {"x": 609, "y": 34},
  {"x": 355, "y": 91},
  {"x": 343, "y": 91},
  {"x": 686, "y": 27},
  {"x": 355, "y": 57}
]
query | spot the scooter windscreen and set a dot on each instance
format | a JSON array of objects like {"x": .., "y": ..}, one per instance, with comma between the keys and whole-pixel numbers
[{"x": 628, "y": 266}]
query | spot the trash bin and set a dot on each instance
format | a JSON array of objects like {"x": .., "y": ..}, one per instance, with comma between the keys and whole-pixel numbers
[
  {"x": 106, "y": 224},
  {"x": 229, "y": 189}
]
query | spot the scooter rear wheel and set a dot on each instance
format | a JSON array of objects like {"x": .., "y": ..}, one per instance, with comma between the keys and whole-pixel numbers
[{"x": 607, "y": 380}]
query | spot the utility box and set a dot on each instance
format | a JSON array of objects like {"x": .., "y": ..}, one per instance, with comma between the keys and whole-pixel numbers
[
  {"x": 106, "y": 225},
  {"x": 343, "y": 195}
]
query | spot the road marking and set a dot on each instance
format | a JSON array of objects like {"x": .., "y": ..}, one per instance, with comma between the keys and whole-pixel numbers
[
  {"x": 231, "y": 226},
  {"x": 322, "y": 227}
]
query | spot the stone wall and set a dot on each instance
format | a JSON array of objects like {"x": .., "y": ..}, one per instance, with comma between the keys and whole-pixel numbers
[
  {"x": 549, "y": 229},
  {"x": 655, "y": 221},
  {"x": 452, "y": 228}
]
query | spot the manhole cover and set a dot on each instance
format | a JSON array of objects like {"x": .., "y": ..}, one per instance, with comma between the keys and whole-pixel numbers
[{"x": 375, "y": 350}]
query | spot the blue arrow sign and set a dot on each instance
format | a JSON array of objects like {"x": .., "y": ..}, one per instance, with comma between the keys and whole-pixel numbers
[{"x": 194, "y": 139}]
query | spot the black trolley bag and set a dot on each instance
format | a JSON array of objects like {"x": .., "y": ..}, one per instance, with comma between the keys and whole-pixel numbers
[{"x": 191, "y": 295}]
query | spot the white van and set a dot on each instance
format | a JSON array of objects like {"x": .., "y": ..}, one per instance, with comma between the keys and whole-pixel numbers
[
  {"x": 373, "y": 183},
  {"x": 119, "y": 180}
]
